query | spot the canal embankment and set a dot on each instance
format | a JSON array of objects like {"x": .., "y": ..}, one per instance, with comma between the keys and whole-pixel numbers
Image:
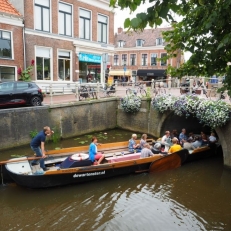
[{"x": 79, "y": 118}]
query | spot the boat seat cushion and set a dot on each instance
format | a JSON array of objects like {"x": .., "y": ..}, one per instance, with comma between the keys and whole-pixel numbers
[
  {"x": 70, "y": 163},
  {"x": 123, "y": 158}
]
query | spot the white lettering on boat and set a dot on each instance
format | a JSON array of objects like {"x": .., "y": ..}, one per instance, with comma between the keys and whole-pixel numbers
[{"x": 89, "y": 174}]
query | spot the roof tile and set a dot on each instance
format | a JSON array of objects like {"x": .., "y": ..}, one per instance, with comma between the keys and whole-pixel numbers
[
  {"x": 6, "y": 7},
  {"x": 148, "y": 35}
]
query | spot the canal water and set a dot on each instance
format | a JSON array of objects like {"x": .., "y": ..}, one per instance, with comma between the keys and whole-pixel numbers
[{"x": 193, "y": 197}]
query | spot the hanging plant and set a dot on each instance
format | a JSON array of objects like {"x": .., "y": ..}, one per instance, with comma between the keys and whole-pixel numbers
[
  {"x": 208, "y": 112},
  {"x": 131, "y": 103}
]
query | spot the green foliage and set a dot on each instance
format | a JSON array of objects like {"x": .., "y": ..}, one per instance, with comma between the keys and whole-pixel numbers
[
  {"x": 204, "y": 30},
  {"x": 56, "y": 136},
  {"x": 25, "y": 75},
  {"x": 33, "y": 133}
]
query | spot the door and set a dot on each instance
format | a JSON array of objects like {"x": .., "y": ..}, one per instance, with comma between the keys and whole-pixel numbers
[
  {"x": 21, "y": 93},
  {"x": 6, "y": 93}
]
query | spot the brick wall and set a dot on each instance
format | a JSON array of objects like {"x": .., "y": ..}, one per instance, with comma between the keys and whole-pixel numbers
[{"x": 17, "y": 36}]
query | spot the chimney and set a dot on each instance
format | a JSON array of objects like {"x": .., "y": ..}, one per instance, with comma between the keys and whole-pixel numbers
[{"x": 120, "y": 30}]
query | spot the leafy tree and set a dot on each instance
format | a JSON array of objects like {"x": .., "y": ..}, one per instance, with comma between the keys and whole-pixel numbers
[{"x": 204, "y": 30}]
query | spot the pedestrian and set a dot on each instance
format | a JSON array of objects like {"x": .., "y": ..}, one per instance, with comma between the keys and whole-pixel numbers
[{"x": 38, "y": 146}]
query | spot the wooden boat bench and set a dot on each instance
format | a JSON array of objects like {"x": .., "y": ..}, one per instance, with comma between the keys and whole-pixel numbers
[{"x": 123, "y": 158}]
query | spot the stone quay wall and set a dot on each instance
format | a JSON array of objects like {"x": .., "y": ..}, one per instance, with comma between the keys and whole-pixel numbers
[{"x": 83, "y": 117}]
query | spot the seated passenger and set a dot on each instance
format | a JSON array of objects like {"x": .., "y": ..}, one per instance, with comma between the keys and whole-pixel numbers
[
  {"x": 157, "y": 149},
  {"x": 188, "y": 145},
  {"x": 212, "y": 138},
  {"x": 132, "y": 146},
  {"x": 174, "y": 134},
  {"x": 196, "y": 143},
  {"x": 166, "y": 141},
  {"x": 93, "y": 154},
  {"x": 175, "y": 147},
  {"x": 191, "y": 136},
  {"x": 183, "y": 137},
  {"x": 146, "y": 152},
  {"x": 204, "y": 140},
  {"x": 143, "y": 140}
]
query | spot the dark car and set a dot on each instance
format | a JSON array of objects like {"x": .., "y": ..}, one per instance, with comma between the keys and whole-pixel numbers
[{"x": 20, "y": 93}]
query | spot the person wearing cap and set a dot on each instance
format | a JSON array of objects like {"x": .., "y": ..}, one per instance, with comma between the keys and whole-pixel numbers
[{"x": 175, "y": 147}]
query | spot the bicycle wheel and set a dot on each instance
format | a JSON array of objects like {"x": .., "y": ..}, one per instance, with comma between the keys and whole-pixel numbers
[{"x": 143, "y": 93}]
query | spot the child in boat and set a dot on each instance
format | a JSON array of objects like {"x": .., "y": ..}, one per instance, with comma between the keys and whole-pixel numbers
[
  {"x": 94, "y": 156},
  {"x": 132, "y": 146}
]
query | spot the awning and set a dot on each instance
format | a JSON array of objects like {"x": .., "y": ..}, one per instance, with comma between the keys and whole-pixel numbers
[
  {"x": 120, "y": 73},
  {"x": 151, "y": 72}
]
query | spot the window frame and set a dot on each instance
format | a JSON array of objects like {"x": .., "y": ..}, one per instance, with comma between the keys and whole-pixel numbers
[
  {"x": 15, "y": 71},
  {"x": 102, "y": 23},
  {"x": 122, "y": 61},
  {"x": 51, "y": 64},
  {"x": 145, "y": 59},
  {"x": 161, "y": 60},
  {"x": 71, "y": 73},
  {"x": 141, "y": 42},
  {"x": 131, "y": 59},
  {"x": 66, "y": 13},
  {"x": 11, "y": 45},
  {"x": 90, "y": 24},
  {"x": 159, "y": 41},
  {"x": 118, "y": 58},
  {"x": 42, "y": 6},
  {"x": 152, "y": 57}
]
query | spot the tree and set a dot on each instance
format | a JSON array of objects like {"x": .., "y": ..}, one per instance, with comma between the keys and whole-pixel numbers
[{"x": 204, "y": 30}]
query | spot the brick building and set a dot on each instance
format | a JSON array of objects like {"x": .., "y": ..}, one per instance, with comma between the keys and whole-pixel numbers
[
  {"x": 11, "y": 41},
  {"x": 67, "y": 39},
  {"x": 136, "y": 55}
]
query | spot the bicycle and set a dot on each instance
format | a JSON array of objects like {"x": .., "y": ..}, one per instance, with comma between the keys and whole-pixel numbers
[
  {"x": 139, "y": 90},
  {"x": 159, "y": 91},
  {"x": 86, "y": 92}
]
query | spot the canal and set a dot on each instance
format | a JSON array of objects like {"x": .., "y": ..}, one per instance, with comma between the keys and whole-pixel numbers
[{"x": 193, "y": 197}]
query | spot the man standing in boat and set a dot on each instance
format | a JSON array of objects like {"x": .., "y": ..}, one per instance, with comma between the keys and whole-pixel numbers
[{"x": 38, "y": 146}]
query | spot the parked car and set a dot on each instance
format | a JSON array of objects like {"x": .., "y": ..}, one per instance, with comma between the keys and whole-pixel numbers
[{"x": 15, "y": 93}]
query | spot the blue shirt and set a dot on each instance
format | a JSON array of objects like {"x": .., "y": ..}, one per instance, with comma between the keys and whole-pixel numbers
[
  {"x": 131, "y": 145},
  {"x": 182, "y": 136},
  {"x": 92, "y": 152},
  {"x": 38, "y": 139}
]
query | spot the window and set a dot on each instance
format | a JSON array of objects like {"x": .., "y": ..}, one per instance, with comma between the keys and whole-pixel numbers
[
  {"x": 139, "y": 42},
  {"x": 116, "y": 60},
  {"x": 5, "y": 44},
  {"x": 124, "y": 59},
  {"x": 102, "y": 28},
  {"x": 42, "y": 15},
  {"x": 65, "y": 19},
  {"x": 22, "y": 85},
  {"x": 7, "y": 73},
  {"x": 6, "y": 87},
  {"x": 163, "y": 62},
  {"x": 85, "y": 21},
  {"x": 153, "y": 59},
  {"x": 159, "y": 41},
  {"x": 64, "y": 65},
  {"x": 43, "y": 63},
  {"x": 132, "y": 59},
  {"x": 144, "y": 59},
  {"x": 121, "y": 43}
]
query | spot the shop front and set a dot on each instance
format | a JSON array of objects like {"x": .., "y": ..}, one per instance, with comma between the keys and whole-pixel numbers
[
  {"x": 89, "y": 67},
  {"x": 149, "y": 74},
  {"x": 120, "y": 75}
]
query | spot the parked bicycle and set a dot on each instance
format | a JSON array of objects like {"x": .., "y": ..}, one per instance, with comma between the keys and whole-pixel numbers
[
  {"x": 109, "y": 90},
  {"x": 87, "y": 92},
  {"x": 140, "y": 90}
]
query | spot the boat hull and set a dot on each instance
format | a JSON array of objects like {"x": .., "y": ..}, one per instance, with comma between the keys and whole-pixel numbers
[{"x": 72, "y": 176}]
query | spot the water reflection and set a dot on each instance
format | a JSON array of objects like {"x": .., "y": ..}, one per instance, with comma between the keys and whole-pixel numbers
[{"x": 193, "y": 197}]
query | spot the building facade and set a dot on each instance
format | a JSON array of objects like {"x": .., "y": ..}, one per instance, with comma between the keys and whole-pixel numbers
[
  {"x": 11, "y": 41},
  {"x": 137, "y": 55},
  {"x": 69, "y": 40}
]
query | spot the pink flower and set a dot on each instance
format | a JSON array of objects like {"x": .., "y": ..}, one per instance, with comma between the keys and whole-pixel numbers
[
  {"x": 32, "y": 62},
  {"x": 19, "y": 70}
]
